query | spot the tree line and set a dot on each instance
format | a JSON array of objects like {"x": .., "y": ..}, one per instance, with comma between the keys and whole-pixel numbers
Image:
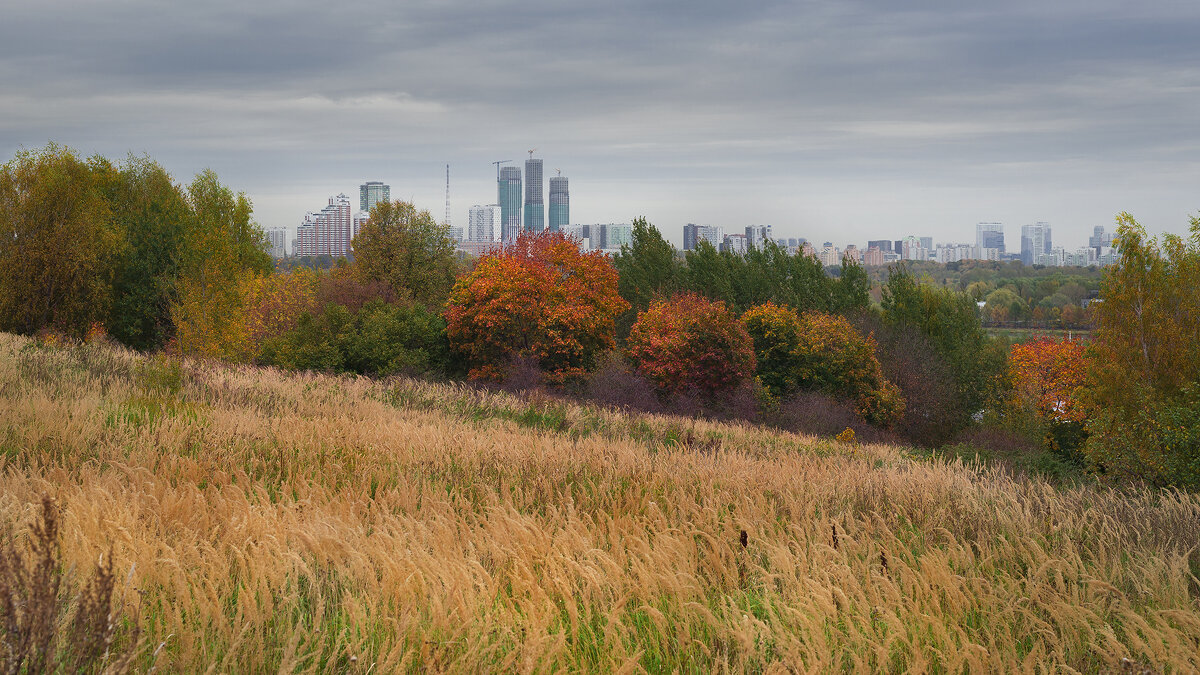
[{"x": 96, "y": 248}]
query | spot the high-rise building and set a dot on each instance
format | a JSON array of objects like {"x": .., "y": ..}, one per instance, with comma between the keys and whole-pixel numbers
[
  {"x": 509, "y": 197},
  {"x": 1035, "y": 242},
  {"x": 560, "y": 204},
  {"x": 757, "y": 235},
  {"x": 609, "y": 237},
  {"x": 481, "y": 223},
  {"x": 371, "y": 193},
  {"x": 535, "y": 208},
  {"x": 694, "y": 234},
  {"x": 277, "y": 242},
  {"x": 873, "y": 256},
  {"x": 990, "y": 235},
  {"x": 1099, "y": 240},
  {"x": 328, "y": 231},
  {"x": 884, "y": 245},
  {"x": 926, "y": 243}
]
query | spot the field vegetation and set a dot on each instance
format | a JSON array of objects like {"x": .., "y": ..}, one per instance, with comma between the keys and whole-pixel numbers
[{"x": 257, "y": 521}]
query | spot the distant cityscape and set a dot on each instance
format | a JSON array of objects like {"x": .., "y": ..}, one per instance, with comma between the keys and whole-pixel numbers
[
  {"x": 1036, "y": 246},
  {"x": 330, "y": 231}
]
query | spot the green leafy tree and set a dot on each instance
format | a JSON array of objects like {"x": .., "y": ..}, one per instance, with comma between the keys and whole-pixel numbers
[
  {"x": 708, "y": 272},
  {"x": 950, "y": 321},
  {"x": 852, "y": 290},
  {"x": 1142, "y": 392},
  {"x": 409, "y": 251},
  {"x": 154, "y": 214},
  {"x": 58, "y": 242},
  {"x": 646, "y": 269},
  {"x": 223, "y": 247}
]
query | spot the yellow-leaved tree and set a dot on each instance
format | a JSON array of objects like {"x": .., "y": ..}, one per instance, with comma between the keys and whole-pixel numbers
[
  {"x": 1142, "y": 392},
  {"x": 225, "y": 250}
]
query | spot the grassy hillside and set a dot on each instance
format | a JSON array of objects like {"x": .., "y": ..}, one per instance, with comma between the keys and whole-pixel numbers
[{"x": 264, "y": 522}]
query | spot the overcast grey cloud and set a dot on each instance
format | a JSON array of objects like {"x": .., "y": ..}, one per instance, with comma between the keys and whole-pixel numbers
[{"x": 827, "y": 119}]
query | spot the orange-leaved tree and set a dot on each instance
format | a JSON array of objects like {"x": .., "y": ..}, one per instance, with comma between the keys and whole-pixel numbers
[
  {"x": 691, "y": 342},
  {"x": 1046, "y": 375},
  {"x": 539, "y": 298},
  {"x": 822, "y": 352}
]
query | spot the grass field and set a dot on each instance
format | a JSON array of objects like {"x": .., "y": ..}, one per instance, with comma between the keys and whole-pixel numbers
[{"x": 265, "y": 522}]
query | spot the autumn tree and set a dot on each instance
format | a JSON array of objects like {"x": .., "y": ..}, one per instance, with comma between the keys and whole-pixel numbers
[
  {"x": 1142, "y": 391},
  {"x": 1045, "y": 376},
  {"x": 409, "y": 251},
  {"x": 821, "y": 352},
  {"x": 274, "y": 304},
  {"x": 539, "y": 298},
  {"x": 690, "y": 342},
  {"x": 224, "y": 248},
  {"x": 58, "y": 242}
]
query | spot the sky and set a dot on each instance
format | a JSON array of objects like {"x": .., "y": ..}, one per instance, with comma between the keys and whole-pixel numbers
[{"x": 834, "y": 120}]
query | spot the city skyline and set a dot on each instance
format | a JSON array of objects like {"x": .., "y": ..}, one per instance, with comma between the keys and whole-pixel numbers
[{"x": 824, "y": 119}]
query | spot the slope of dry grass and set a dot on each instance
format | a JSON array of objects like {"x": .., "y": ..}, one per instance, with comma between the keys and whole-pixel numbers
[{"x": 265, "y": 522}]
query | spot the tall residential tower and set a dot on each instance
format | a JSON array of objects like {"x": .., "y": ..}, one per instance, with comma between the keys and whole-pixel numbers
[
  {"x": 535, "y": 208},
  {"x": 560, "y": 204},
  {"x": 509, "y": 196},
  {"x": 372, "y": 192}
]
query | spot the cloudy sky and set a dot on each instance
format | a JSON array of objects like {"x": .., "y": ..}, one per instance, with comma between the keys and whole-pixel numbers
[{"x": 830, "y": 119}]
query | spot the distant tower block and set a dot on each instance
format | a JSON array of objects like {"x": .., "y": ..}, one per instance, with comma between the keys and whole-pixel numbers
[
  {"x": 560, "y": 204},
  {"x": 371, "y": 193},
  {"x": 447, "y": 221},
  {"x": 508, "y": 188},
  {"x": 535, "y": 208}
]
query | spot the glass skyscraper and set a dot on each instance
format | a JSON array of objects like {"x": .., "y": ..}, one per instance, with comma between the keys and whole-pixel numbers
[
  {"x": 372, "y": 192},
  {"x": 535, "y": 208},
  {"x": 1035, "y": 242},
  {"x": 560, "y": 204},
  {"x": 509, "y": 197}
]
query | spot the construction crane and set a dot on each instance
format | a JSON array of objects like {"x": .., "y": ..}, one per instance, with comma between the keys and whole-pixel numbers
[
  {"x": 531, "y": 153},
  {"x": 503, "y": 161},
  {"x": 558, "y": 172}
]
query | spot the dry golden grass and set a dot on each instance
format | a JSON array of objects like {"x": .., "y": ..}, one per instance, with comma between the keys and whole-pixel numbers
[{"x": 267, "y": 522}]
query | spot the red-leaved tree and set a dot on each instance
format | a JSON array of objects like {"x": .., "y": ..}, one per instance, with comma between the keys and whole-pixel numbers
[
  {"x": 691, "y": 342},
  {"x": 539, "y": 298},
  {"x": 1046, "y": 375}
]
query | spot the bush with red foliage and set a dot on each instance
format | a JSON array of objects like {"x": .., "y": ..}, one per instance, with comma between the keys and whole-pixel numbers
[
  {"x": 539, "y": 298},
  {"x": 691, "y": 342}
]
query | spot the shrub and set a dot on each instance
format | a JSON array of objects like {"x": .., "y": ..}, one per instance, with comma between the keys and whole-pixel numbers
[
  {"x": 690, "y": 342},
  {"x": 811, "y": 412},
  {"x": 821, "y": 352},
  {"x": 540, "y": 298},
  {"x": 379, "y": 339},
  {"x": 614, "y": 384}
]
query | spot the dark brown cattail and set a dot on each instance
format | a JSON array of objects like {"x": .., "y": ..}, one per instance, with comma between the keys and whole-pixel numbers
[
  {"x": 883, "y": 561},
  {"x": 745, "y": 539},
  {"x": 835, "y": 537}
]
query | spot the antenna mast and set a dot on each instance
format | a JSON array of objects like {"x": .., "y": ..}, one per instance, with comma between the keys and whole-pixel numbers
[{"x": 447, "y": 195}]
